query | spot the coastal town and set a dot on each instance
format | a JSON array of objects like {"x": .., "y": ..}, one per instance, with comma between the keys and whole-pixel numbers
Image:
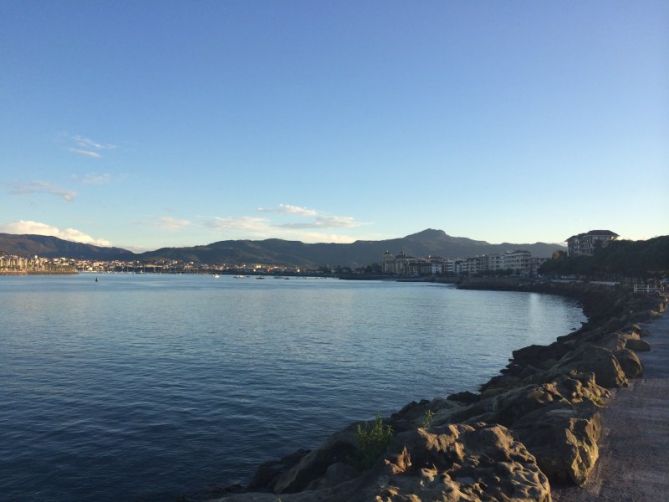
[
  {"x": 37, "y": 265},
  {"x": 513, "y": 262},
  {"x": 516, "y": 262}
]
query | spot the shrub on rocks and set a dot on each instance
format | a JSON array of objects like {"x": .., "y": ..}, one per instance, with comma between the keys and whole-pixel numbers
[{"x": 372, "y": 440}]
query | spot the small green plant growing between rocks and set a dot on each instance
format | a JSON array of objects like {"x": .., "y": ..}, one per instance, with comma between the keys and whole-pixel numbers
[
  {"x": 372, "y": 440},
  {"x": 427, "y": 419}
]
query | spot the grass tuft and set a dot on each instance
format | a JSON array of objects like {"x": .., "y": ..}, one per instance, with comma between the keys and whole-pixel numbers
[{"x": 372, "y": 440}]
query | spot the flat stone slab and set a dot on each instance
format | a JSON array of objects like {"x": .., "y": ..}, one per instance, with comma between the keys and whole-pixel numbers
[{"x": 634, "y": 454}]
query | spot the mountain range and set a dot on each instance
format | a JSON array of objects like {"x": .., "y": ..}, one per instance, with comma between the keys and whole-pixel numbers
[
  {"x": 53, "y": 247},
  {"x": 277, "y": 251}
]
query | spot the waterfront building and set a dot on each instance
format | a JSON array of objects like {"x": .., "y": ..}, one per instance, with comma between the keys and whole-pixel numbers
[
  {"x": 473, "y": 265},
  {"x": 585, "y": 244},
  {"x": 400, "y": 264},
  {"x": 495, "y": 262},
  {"x": 388, "y": 263},
  {"x": 13, "y": 263},
  {"x": 518, "y": 261}
]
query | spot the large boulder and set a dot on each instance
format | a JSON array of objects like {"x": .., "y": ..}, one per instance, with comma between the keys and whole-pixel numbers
[
  {"x": 630, "y": 363},
  {"x": 563, "y": 443},
  {"x": 624, "y": 339},
  {"x": 422, "y": 413},
  {"x": 268, "y": 473},
  {"x": 458, "y": 462},
  {"x": 508, "y": 407},
  {"x": 539, "y": 355},
  {"x": 548, "y": 390},
  {"x": 637, "y": 345},
  {"x": 313, "y": 466},
  {"x": 639, "y": 330},
  {"x": 581, "y": 388},
  {"x": 588, "y": 358}
]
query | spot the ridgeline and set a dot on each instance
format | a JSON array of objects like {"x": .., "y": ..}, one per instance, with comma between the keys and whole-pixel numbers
[{"x": 275, "y": 251}]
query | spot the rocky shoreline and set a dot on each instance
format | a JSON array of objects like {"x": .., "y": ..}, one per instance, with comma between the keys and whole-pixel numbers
[{"x": 535, "y": 425}]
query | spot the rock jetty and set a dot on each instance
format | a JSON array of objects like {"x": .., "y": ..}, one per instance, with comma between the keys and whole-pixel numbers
[{"x": 534, "y": 426}]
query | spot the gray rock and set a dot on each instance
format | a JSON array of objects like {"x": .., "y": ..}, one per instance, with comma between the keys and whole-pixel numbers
[
  {"x": 459, "y": 463},
  {"x": 630, "y": 363},
  {"x": 588, "y": 358},
  {"x": 637, "y": 345},
  {"x": 564, "y": 444}
]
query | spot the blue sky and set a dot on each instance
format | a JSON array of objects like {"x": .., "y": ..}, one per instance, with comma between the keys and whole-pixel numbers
[{"x": 144, "y": 124}]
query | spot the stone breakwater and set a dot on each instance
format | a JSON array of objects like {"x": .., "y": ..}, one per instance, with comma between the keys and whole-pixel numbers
[{"x": 535, "y": 425}]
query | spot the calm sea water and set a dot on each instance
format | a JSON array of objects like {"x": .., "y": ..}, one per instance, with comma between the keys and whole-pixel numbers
[{"x": 149, "y": 386}]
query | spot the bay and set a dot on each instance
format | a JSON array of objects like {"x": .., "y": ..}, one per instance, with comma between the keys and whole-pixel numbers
[{"x": 145, "y": 387}]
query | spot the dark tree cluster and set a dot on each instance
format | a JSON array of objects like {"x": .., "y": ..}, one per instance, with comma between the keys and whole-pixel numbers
[{"x": 619, "y": 258}]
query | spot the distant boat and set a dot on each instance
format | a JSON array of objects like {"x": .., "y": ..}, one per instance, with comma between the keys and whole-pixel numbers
[
  {"x": 216, "y": 276},
  {"x": 239, "y": 277},
  {"x": 259, "y": 277}
]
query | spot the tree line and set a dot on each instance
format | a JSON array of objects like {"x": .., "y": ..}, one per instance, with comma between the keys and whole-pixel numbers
[{"x": 648, "y": 258}]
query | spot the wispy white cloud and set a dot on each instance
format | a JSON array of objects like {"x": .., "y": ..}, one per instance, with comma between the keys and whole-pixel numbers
[
  {"x": 85, "y": 153},
  {"x": 37, "y": 228},
  {"x": 170, "y": 223},
  {"x": 244, "y": 223},
  {"x": 256, "y": 227},
  {"x": 324, "y": 222},
  {"x": 86, "y": 147},
  {"x": 318, "y": 219},
  {"x": 290, "y": 209},
  {"x": 90, "y": 144},
  {"x": 47, "y": 187}
]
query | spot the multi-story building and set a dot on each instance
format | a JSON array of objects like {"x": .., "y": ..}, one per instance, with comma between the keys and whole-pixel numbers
[
  {"x": 495, "y": 262},
  {"x": 518, "y": 261},
  {"x": 388, "y": 263},
  {"x": 585, "y": 244},
  {"x": 403, "y": 264},
  {"x": 13, "y": 262}
]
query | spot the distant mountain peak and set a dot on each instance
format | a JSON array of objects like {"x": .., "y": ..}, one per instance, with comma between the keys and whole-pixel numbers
[{"x": 428, "y": 233}]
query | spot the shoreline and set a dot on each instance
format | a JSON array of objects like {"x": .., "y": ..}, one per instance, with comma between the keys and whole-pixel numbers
[
  {"x": 634, "y": 451},
  {"x": 544, "y": 408},
  {"x": 22, "y": 273}
]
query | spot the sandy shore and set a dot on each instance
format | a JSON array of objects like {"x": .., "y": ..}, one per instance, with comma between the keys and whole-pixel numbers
[{"x": 634, "y": 461}]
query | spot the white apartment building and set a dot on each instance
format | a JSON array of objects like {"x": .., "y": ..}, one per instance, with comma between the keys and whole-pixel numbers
[
  {"x": 585, "y": 244},
  {"x": 518, "y": 262}
]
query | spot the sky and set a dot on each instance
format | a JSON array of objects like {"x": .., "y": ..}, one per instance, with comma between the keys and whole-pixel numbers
[{"x": 161, "y": 123}]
